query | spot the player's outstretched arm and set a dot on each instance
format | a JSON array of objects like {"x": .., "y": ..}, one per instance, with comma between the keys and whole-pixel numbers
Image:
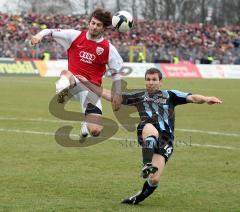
[
  {"x": 40, "y": 35},
  {"x": 200, "y": 99},
  {"x": 63, "y": 37}
]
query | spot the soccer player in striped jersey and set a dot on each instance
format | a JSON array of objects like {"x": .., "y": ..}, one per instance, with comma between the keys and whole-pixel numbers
[
  {"x": 88, "y": 55},
  {"x": 156, "y": 128}
]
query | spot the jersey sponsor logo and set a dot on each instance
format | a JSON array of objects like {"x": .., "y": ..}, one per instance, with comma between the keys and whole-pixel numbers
[
  {"x": 99, "y": 50},
  {"x": 157, "y": 100},
  {"x": 87, "y": 57}
]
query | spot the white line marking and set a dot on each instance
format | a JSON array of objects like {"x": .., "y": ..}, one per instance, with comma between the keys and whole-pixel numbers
[
  {"x": 36, "y": 119},
  {"x": 26, "y": 132},
  {"x": 66, "y": 121},
  {"x": 209, "y": 132},
  {"x": 112, "y": 138},
  {"x": 215, "y": 146}
]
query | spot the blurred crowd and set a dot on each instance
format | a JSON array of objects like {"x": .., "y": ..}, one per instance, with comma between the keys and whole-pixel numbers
[{"x": 162, "y": 40}]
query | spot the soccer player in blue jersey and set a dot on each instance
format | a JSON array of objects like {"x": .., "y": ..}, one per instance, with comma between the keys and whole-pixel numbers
[{"x": 156, "y": 128}]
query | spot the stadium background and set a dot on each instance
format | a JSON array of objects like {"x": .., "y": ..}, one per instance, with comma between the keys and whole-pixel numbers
[{"x": 38, "y": 174}]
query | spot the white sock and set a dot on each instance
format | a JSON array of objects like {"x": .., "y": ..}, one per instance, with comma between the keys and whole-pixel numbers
[{"x": 84, "y": 129}]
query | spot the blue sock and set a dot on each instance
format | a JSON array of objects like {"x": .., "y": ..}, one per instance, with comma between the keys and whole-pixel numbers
[{"x": 147, "y": 190}]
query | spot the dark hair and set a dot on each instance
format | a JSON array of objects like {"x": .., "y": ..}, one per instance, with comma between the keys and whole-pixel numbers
[
  {"x": 154, "y": 71},
  {"x": 102, "y": 15}
]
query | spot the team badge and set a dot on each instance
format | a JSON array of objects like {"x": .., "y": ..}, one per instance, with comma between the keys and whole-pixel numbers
[{"x": 99, "y": 50}]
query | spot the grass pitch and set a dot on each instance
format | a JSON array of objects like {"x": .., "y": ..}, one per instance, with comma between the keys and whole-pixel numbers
[{"x": 38, "y": 174}]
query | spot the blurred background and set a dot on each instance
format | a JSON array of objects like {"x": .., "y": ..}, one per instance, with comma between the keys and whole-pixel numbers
[{"x": 204, "y": 31}]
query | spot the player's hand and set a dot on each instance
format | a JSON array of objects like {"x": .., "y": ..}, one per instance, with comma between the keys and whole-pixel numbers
[
  {"x": 36, "y": 39},
  {"x": 116, "y": 101},
  {"x": 210, "y": 100}
]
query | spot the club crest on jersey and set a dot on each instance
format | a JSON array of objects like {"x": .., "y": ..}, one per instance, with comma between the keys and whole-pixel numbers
[{"x": 99, "y": 50}]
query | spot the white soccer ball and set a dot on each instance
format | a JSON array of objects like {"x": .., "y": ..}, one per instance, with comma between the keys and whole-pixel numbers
[{"x": 122, "y": 21}]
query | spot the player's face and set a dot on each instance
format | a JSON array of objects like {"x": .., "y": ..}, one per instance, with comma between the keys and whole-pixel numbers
[
  {"x": 153, "y": 83},
  {"x": 95, "y": 27}
]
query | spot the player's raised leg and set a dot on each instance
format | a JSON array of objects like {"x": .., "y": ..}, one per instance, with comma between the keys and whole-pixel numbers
[
  {"x": 153, "y": 161},
  {"x": 150, "y": 138},
  {"x": 150, "y": 184},
  {"x": 65, "y": 82}
]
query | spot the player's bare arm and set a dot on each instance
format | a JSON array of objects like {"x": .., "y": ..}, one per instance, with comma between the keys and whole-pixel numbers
[
  {"x": 116, "y": 101},
  {"x": 200, "y": 99},
  {"x": 105, "y": 93},
  {"x": 116, "y": 93},
  {"x": 115, "y": 64}
]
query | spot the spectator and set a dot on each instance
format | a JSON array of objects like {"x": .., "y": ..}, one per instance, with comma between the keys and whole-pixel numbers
[{"x": 161, "y": 38}]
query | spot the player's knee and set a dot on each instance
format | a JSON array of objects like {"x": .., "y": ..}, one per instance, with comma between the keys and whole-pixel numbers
[
  {"x": 95, "y": 132},
  {"x": 149, "y": 130},
  {"x": 62, "y": 83},
  {"x": 64, "y": 72}
]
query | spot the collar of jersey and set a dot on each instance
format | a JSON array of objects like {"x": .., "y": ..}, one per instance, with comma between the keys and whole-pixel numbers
[{"x": 97, "y": 41}]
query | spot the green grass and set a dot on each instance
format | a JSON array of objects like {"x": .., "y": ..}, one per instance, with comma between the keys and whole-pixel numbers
[{"x": 37, "y": 174}]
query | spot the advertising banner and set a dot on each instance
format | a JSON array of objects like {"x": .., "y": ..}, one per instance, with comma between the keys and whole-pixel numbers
[
  {"x": 220, "y": 71},
  {"x": 15, "y": 67},
  {"x": 53, "y": 68},
  {"x": 180, "y": 71},
  {"x": 134, "y": 69}
]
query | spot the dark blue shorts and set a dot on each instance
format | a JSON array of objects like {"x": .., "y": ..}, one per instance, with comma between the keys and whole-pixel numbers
[{"x": 164, "y": 144}]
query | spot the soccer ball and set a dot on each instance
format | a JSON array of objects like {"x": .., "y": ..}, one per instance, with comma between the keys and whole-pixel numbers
[{"x": 122, "y": 21}]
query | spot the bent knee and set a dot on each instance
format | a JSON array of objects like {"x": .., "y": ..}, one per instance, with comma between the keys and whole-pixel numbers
[
  {"x": 69, "y": 76},
  {"x": 66, "y": 73},
  {"x": 62, "y": 84},
  {"x": 95, "y": 132}
]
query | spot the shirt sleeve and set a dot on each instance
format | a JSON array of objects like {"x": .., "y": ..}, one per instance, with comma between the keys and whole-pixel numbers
[
  {"x": 130, "y": 98},
  {"x": 63, "y": 37},
  {"x": 178, "y": 97},
  {"x": 115, "y": 61}
]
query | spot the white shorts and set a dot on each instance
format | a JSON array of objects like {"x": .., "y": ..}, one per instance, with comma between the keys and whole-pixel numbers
[{"x": 82, "y": 94}]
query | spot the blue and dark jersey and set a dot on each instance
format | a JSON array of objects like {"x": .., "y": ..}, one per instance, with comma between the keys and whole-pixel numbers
[{"x": 157, "y": 108}]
